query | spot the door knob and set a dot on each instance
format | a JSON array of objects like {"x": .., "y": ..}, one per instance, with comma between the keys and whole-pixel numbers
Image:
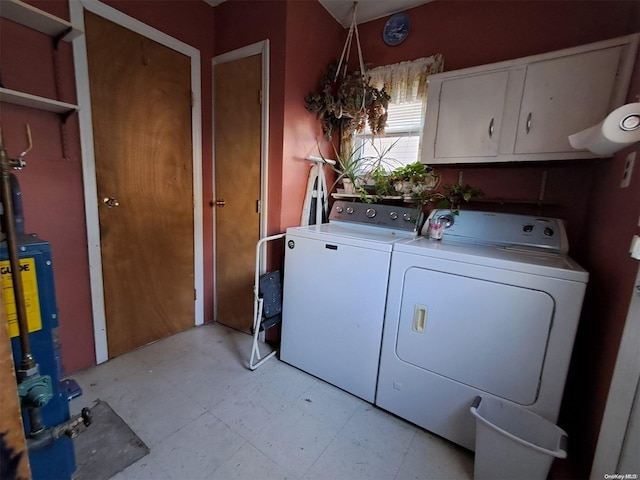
[
  {"x": 111, "y": 202},
  {"x": 220, "y": 202}
]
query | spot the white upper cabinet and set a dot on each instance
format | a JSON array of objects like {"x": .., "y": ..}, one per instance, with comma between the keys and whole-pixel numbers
[
  {"x": 525, "y": 109},
  {"x": 474, "y": 106},
  {"x": 563, "y": 96}
]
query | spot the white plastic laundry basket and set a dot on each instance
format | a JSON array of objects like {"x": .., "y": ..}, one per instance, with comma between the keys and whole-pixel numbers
[{"x": 514, "y": 443}]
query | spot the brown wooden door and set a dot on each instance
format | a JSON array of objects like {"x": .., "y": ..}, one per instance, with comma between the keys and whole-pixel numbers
[
  {"x": 237, "y": 113},
  {"x": 141, "y": 108}
]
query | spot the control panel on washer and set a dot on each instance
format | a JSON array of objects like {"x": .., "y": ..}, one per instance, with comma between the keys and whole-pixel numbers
[
  {"x": 505, "y": 229},
  {"x": 408, "y": 219}
]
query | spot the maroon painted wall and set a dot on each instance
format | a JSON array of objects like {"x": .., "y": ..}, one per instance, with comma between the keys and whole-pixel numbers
[
  {"x": 51, "y": 183},
  {"x": 470, "y": 33},
  {"x": 586, "y": 194},
  {"x": 293, "y": 29},
  {"x": 612, "y": 221},
  {"x": 261, "y": 21},
  {"x": 311, "y": 34},
  {"x": 473, "y": 32},
  {"x": 303, "y": 39}
]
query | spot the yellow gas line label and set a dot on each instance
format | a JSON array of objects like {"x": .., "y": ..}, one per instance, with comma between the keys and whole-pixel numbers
[{"x": 31, "y": 299}]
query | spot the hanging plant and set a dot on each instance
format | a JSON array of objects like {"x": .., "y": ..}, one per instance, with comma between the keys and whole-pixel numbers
[{"x": 347, "y": 103}]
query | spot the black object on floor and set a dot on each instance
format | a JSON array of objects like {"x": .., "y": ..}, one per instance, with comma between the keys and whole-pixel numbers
[
  {"x": 71, "y": 388},
  {"x": 107, "y": 447}
]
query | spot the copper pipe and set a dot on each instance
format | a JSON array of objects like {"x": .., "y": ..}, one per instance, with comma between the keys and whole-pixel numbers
[{"x": 28, "y": 363}]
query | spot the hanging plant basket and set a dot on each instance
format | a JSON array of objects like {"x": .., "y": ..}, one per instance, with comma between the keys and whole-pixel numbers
[
  {"x": 348, "y": 104},
  {"x": 345, "y": 101}
]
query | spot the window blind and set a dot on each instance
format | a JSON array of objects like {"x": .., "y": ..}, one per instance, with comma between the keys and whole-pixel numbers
[{"x": 402, "y": 135}]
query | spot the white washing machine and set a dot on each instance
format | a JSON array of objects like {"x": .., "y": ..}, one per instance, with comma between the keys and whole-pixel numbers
[
  {"x": 492, "y": 309},
  {"x": 335, "y": 286}
]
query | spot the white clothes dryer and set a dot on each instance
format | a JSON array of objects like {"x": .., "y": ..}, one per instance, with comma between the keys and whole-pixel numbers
[{"x": 492, "y": 309}]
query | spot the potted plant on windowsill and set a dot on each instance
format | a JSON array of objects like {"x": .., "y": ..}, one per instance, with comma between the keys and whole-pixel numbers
[
  {"x": 414, "y": 179},
  {"x": 348, "y": 167},
  {"x": 418, "y": 183}
]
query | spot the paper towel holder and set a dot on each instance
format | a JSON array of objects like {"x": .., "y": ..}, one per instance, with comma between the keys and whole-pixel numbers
[
  {"x": 630, "y": 122},
  {"x": 618, "y": 130}
]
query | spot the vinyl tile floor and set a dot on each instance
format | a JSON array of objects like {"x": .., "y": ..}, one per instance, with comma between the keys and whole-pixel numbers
[{"x": 204, "y": 415}]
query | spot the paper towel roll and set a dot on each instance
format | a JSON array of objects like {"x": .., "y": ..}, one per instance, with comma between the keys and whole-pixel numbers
[{"x": 620, "y": 129}]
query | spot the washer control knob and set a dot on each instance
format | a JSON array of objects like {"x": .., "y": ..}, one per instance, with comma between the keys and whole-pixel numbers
[
  {"x": 393, "y": 215},
  {"x": 371, "y": 212},
  {"x": 407, "y": 217},
  {"x": 549, "y": 232},
  {"x": 349, "y": 210},
  {"x": 339, "y": 209}
]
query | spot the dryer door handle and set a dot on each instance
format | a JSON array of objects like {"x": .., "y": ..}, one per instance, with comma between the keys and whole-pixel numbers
[{"x": 419, "y": 318}]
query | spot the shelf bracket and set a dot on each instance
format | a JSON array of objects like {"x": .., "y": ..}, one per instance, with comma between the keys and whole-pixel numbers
[
  {"x": 60, "y": 37},
  {"x": 64, "y": 116}
]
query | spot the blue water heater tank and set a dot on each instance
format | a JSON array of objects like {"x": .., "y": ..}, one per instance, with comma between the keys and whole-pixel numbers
[{"x": 55, "y": 461}]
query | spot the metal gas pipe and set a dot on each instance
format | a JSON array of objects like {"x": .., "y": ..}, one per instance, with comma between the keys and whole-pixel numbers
[{"x": 35, "y": 390}]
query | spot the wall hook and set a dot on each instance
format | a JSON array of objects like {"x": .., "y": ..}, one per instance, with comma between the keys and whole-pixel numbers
[{"x": 18, "y": 162}]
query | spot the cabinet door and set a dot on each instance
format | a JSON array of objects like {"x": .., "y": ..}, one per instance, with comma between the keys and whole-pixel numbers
[
  {"x": 564, "y": 96},
  {"x": 470, "y": 115}
]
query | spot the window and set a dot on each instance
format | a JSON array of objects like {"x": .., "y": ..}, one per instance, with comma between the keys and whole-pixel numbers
[
  {"x": 406, "y": 84},
  {"x": 401, "y": 138}
]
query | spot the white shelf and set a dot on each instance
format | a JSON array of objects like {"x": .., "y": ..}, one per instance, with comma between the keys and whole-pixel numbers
[
  {"x": 39, "y": 20},
  {"x": 33, "y": 101}
]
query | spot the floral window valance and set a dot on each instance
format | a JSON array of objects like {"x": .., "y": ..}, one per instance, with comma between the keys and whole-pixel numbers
[{"x": 406, "y": 81}]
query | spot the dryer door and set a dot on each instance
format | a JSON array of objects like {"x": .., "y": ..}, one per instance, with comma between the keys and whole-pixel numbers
[{"x": 490, "y": 336}]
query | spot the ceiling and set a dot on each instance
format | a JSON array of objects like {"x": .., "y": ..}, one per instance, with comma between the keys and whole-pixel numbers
[{"x": 366, "y": 10}]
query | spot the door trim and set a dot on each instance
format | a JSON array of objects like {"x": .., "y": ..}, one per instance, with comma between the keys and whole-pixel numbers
[
  {"x": 259, "y": 48},
  {"x": 622, "y": 393},
  {"x": 76, "y": 9}
]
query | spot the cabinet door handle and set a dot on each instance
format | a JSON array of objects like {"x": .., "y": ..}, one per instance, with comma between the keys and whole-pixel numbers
[
  {"x": 528, "y": 123},
  {"x": 491, "y": 128}
]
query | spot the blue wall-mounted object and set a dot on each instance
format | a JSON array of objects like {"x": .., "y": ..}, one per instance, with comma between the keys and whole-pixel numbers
[{"x": 396, "y": 29}]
